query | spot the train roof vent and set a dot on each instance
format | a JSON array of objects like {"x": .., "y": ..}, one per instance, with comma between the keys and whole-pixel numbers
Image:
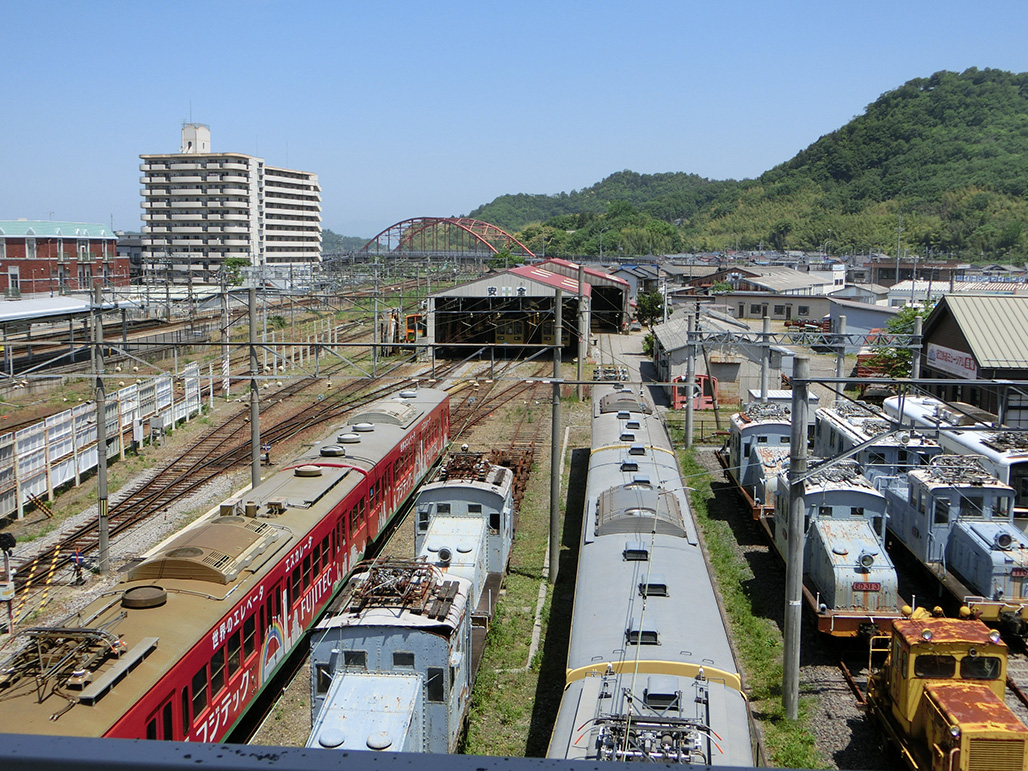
[
  {"x": 637, "y": 634},
  {"x": 654, "y": 585},
  {"x": 627, "y": 436},
  {"x": 629, "y": 466},
  {"x": 636, "y": 551},
  {"x": 640, "y": 511},
  {"x": 215, "y": 552},
  {"x": 661, "y": 692},
  {"x": 363, "y": 428},
  {"x": 392, "y": 412},
  {"x": 637, "y": 449},
  {"x": 640, "y": 480},
  {"x": 624, "y": 415},
  {"x": 633, "y": 424},
  {"x": 348, "y": 438},
  {"x": 409, "y": 393}
]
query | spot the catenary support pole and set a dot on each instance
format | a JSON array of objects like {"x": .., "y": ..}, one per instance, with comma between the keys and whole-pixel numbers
[
  {"x": 840, "y": 355},
  {"x": 690, "y": 381},
  {"x": 794, "y": 548},
  {"x": 555, "y": 442},
  {"x": 101, "y": 431},
  {"x": 765, "y": 359},
  {"x": 255, "y": 413},
  {"x": 915, "y": 349},
  {"x": 583, "y": 333}
]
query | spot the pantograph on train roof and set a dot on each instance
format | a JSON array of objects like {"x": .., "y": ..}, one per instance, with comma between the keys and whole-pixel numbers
[
  {"x": 1007, "y": 441},
  {"x": 963, "y": 470},
  {"x": 760, "y": 412},
  {"x": 845, "y": 474},
  {"x": 637, "y": 507},
  {"x": 403, "y": 585}
]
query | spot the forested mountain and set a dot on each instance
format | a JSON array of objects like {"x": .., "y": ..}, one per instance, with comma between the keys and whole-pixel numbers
[
  {"x": 333, "y": 243},
  {"x": 945, "y": 158}
]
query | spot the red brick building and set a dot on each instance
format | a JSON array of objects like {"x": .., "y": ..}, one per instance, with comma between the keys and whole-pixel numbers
[{"x": 47, "y": 257}]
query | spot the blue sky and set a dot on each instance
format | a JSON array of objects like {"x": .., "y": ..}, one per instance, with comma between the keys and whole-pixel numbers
[{"x": 409, "y": 109}]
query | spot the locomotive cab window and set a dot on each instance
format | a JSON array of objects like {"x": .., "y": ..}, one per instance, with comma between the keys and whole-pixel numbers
[
  {"x": 435, "y": 684},
  {"x": 442, "y": 508},
  {"x": 494, "y": 521},
  {"x": 934, "y": 665},
  {"x": 474, "y": 508},
  {"x": 980, "y": 667},
  {"x": 941, "y": 511},
  {"x": 403, "y": 660},
  {"x": 323, "y": 677},
  {"x": 355, "y": 659},
  {"x": 972, "y": 506}
]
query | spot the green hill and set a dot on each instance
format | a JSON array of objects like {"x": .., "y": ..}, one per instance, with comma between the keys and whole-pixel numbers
[{"x": 946, "y": 157}]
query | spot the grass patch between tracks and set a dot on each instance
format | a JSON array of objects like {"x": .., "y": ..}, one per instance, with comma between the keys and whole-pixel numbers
[{"x": 788, "y": 743}]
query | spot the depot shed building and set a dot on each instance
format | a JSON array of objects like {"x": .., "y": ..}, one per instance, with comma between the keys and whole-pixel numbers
[
  {"x": 974, "y": 338},
  {"x": 516, "y": 308}
]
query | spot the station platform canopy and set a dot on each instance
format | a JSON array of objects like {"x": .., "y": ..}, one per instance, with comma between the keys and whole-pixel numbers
[{"x": 19, "y": 315}]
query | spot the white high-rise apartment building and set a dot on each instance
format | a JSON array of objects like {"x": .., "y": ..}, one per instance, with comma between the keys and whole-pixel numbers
[{"x": 200, "y": 208}]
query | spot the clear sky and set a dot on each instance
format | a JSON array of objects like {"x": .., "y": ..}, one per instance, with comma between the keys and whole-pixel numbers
[{"x": 408, "y": 109}]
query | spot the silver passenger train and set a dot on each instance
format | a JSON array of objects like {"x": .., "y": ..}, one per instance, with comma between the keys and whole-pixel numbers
[
  {"x": 650, "y": 671},
  {"x": 393, "y": 668}
]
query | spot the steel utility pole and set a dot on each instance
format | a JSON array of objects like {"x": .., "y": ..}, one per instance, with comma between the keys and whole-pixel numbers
[
  {"x": 555, "y": 444},
  {"x": 255, "y": 413},
  {"x": 101, "y": 429},
  {"x": 794, "y": 548}
]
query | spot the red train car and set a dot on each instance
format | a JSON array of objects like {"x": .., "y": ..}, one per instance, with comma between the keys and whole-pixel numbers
[{"x": 184, "y": 643}]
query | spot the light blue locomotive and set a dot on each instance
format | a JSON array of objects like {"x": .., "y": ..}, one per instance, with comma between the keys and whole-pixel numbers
[
  {"x": 957, "y": 519},
  {"x": 394, "y": 667}
]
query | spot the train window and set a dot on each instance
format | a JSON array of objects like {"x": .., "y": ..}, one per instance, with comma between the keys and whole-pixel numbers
[
  {"x": 185, "y": 711},
  {"x": 424, "y": 514},
  {"x": 1003, "y": 505},
  {"x": 200, "y": 691},
  {"x": 316, "y": 560},
  {"x": 307, "y": 572},
  {"x": 151, "y": 729},
  {"x": 973, "y": 506},
  {"x": 980, "y": 667},
  {"x": 217, "y": 671},
  {"x": 824, "y": 511},
  {"x": 403, "y": 659},
  {"x": 784, "y": 439},
  {"x": 934, "y": 665},
  {"x": 323, "y": 677},
  {"x": 442, "y": 508},
  {"x": 876, "y": 459},
  {"x": 435, "y": 685},
  {"x": 355, "y": 659},
  {"x": 232, "y": 649},
  {"x": 294, "y": 582},
  {"x": 474, "y": 508},
  {"x": 167, "y": 723},
  {"x": 856, "y": 511},
  {"x": 373, "y": 496},
  {"x": 941, "y": 511},
  {"x": 326, "y": 552},
  {"x": 494, "y": 521},
  {"x": 250, "y": 636},
  {"x": 761, "y": 440},
  {"x": 354, "y": 523}
]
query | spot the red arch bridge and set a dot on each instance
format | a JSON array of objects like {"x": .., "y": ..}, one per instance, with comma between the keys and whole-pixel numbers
[{"x": 443, "y": 238}]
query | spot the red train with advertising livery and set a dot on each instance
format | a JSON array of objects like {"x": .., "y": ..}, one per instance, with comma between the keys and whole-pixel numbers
[{"x": 201, "y": 623}]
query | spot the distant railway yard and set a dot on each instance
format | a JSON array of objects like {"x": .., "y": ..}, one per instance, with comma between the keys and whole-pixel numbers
[{"x": 317, "y": 412}]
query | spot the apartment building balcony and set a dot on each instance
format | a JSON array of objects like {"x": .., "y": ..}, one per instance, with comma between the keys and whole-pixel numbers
[
  {"x": 155, "y": 204},
  {"x": 233, "y": 217},
  {"x": 235, "y": 178},
  {"x": 184, "y": 166},
  {"x": 186, "y": 178},
  {"x": 154, "y": 179},
  {"x": 234, "y": 165},
  {"x": 186, "y": 204},
  {"x": 236, "y": 242},
  {"x": 235, "y": 204},
  {"x": 188, "y": 191},
  {"x": 154, "y": 166},
  {"x": 235, "y": 191},
  {"x": 186, "y": 229}
]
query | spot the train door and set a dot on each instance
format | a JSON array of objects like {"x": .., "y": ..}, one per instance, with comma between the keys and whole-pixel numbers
[{"x": 161, "y": 724}]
